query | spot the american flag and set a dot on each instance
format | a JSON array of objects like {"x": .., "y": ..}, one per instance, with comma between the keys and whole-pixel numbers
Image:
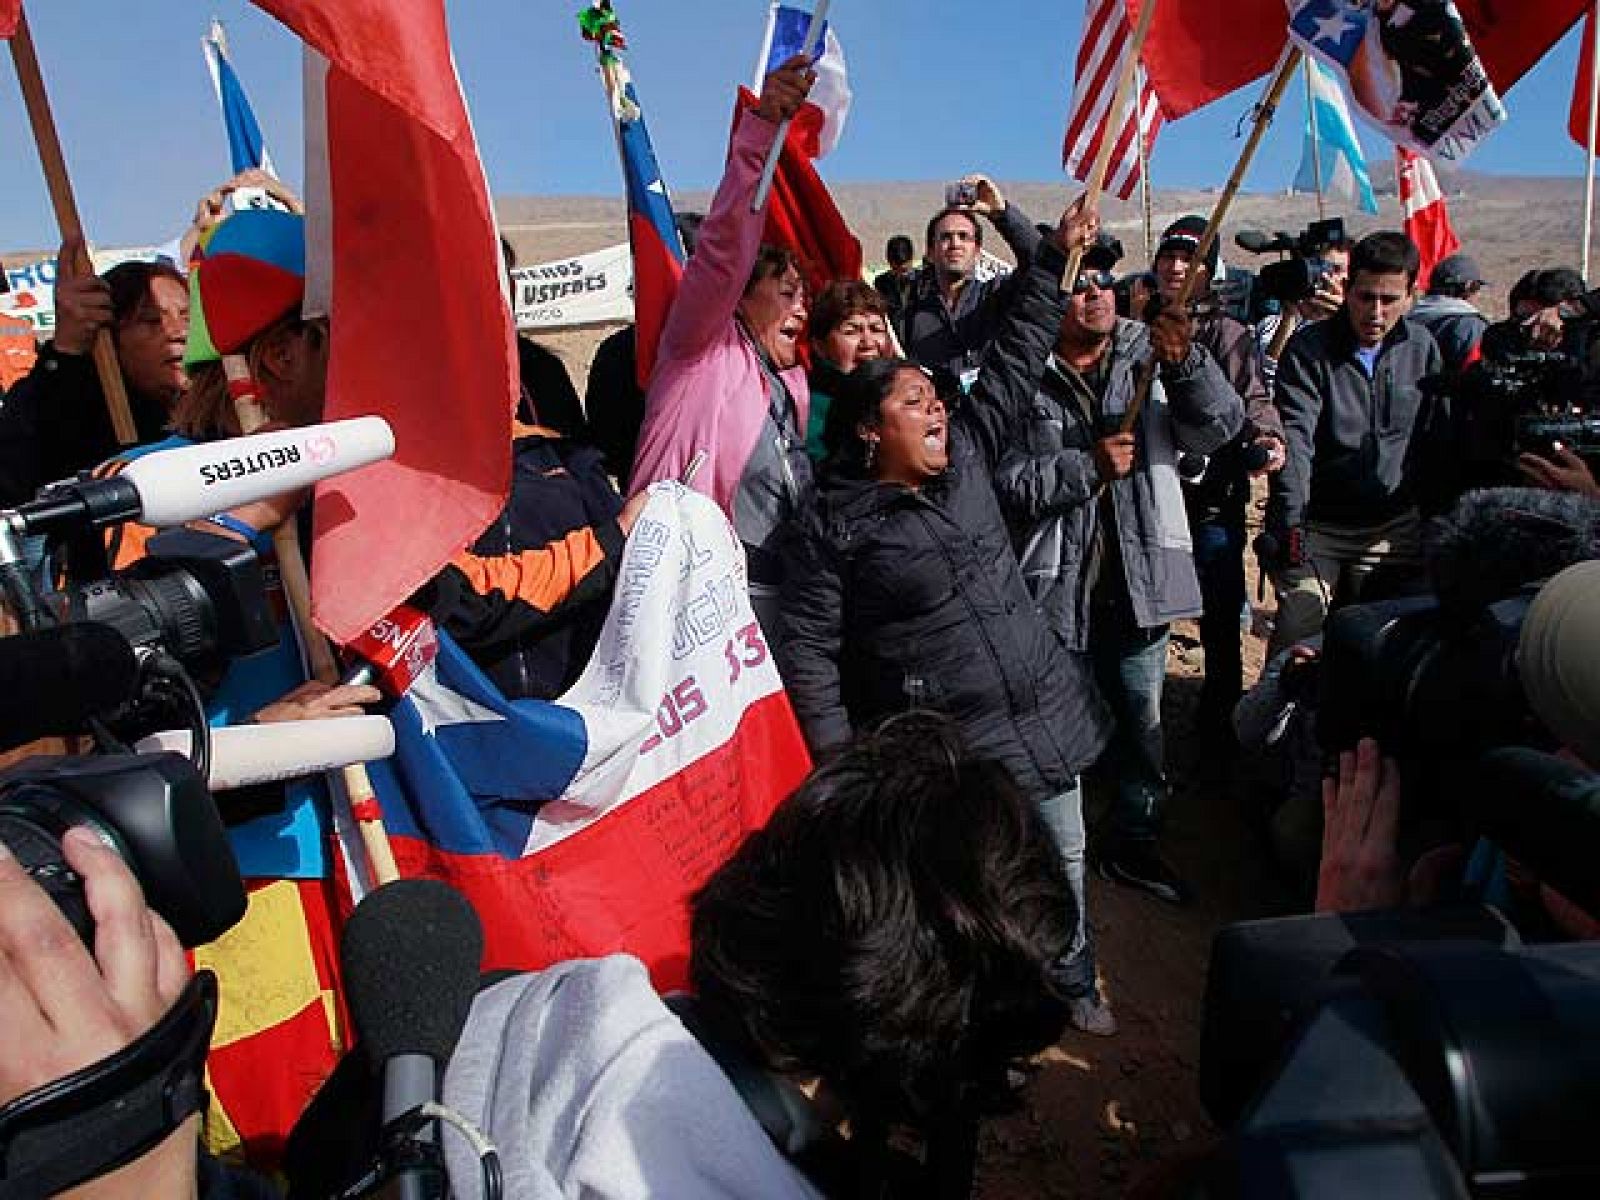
[{"x": 1100, "y": 56}]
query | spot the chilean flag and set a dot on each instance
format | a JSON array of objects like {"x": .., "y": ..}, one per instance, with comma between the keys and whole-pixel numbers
[
  {"x": 581, "y": 827},
  {"x": 246, "y": 146},
  {"x": 10, "y": 14},
  {"x": 816, "y": 127},
  {"x": 403, "y": 253},
  {"x": 1427, "y": 219},
  {"x": 653, "y": 234}
]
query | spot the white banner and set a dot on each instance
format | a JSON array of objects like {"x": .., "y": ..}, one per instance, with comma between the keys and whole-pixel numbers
[
  {"x": 587, "y": 289},
  {"x": 30, "y": 293}
]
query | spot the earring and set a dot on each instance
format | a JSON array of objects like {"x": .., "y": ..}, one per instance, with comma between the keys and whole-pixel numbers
[{"x": 872, "y": 452}]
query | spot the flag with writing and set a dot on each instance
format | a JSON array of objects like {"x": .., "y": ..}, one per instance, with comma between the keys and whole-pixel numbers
[
  {"x": 1411, "y": 69},
  {"x": 398, "y": 209},
  {"x": 581, "y": 827},
  {"x": 247, "y": 147},
  {"x": 1331, "y": 144},
  {"x": 1427, "y": 218},
  {"x": 1102, "y": 51}
]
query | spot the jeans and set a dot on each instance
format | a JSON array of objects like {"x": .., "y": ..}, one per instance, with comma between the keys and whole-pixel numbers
[
  {"x": 1219, "y": 561},
  {"x": 1063, "y": 813},
  {"x": 1130, "y": 665}
]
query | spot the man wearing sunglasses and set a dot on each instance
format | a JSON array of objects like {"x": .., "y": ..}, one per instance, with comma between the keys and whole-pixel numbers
[{"x": 1099, "y": 524}]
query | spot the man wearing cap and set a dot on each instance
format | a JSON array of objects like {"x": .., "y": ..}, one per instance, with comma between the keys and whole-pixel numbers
[
  {"x": 1216, "y": 490},
  {"x": 1098, "y": 520},
  {"x": 1448, "y": 312}
]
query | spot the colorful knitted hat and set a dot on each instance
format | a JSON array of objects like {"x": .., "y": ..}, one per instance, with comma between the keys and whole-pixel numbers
[{"x": 250, "y": 272}]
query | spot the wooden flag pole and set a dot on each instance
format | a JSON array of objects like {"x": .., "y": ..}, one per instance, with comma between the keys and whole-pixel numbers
[
  {"x": 1594, "y": 116},
  {"x": 1263, "y": 119},
  {"x": 770, "y": 169},
  {"x": 1096, "y": 183},
  {"x": 319, "y": 655},
  {"x": 62, "y": 200}
]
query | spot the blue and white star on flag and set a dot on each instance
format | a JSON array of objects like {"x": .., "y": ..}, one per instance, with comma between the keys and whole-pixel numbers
[{"x": 1333, "y": 28}]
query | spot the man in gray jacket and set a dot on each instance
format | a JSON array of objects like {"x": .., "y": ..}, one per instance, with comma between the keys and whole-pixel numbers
[
  {"x": 1098, "y": 519},
  {"x": 1448, "y": 312},
  {"x": 1342, "y": 510}
]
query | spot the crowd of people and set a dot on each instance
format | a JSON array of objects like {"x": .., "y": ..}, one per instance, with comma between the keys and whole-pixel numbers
[{"x": 972, "y": 510}]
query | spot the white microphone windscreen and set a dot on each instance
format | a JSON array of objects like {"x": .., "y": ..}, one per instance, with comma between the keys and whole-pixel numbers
[
  {"x": 192, "y": 482},
  {"x": 242, "y": 755}
]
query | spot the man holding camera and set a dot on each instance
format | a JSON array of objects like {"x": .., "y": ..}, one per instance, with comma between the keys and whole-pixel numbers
[
  {"x": 951, "y": 318},
  {"x": 1324, "y": 248},
  {"x": 1341, "y": 517}
]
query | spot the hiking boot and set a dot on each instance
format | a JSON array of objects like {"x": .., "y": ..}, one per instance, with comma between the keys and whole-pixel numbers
[
  {"x": 1091, "y": 1014},
  {"x": 1140, "y": 866}
]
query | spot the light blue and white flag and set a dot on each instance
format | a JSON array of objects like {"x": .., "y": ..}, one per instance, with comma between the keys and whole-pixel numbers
[
  {"x": 246, "y": 146},
  {"x": 1344, "y": 168}
]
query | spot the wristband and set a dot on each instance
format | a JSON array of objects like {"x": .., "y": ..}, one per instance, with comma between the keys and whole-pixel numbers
[
  {"x": 259, "y": 542},
  {"x": 93, "y": 1121}
]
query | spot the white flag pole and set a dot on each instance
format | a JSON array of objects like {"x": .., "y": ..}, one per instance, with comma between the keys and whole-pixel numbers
[
  {"x": 1594, "y": 115},
  {"x": 760, "y": 72},
  {"x": 764, "y": 187}
]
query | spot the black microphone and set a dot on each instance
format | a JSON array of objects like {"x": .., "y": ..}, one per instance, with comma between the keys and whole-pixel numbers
[
  {"x": 54, "y": 680},
  {"x": 410, "y": 954},
  {"x": 1257, "y": 242}
]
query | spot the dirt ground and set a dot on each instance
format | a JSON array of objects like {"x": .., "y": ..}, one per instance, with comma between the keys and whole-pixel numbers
[{"x": 1104, "y": 1115}]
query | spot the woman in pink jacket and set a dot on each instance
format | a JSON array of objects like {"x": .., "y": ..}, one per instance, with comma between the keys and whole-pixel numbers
[{"x": 728, "y": 381}]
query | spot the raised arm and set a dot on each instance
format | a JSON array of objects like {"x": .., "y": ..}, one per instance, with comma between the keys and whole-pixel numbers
[{"x": 725, "y": 251}]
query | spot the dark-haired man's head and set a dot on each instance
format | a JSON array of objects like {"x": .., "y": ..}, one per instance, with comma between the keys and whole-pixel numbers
[
  {"x": 1544, "y": 288},
  {"x": 890, "y": 930},
  {"x": 955, "y": 240},
  {"x": 1383, "y": 276},
  {"x": 901, "y": 253}
]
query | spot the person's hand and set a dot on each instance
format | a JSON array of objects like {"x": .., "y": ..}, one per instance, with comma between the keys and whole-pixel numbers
[
  {"x": 1113, "y": 457},
  {"x": 785, "y": 89},
  {"x": 1079, "y": 225},
  {"x": 211, "y": 208},
  {"x": 629, "y": 516},
  {"x": 987, "y": 198},
  {"x": 315, "y": 700},
  {"x": 83, "y": 299},
  {"x": 1277, "y": 455},
  {"x": 1327, "y": 298},
  {"x": 1361, "y": 809},
  {"x": 1171, "y": 335},
  {"x": 1544, "y": 329},
  {"x": 63, "y": 1009},
  {"x": 1562, "y": 471}
]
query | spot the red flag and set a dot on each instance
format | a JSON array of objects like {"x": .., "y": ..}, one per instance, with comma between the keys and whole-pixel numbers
[
  {"x": 1195, "y": 54},
  {"x": 10, "y": 14},
  {"x": 1510, "y": 38},
  {"x": 802, "y": 216},
  {"x": 1427, "y": 220},
  {"x": 402, "y": 251},
  {"x": 1582, "y": 88}
]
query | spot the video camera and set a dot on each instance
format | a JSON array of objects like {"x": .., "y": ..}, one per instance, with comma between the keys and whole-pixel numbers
[{"x": 1301, "y": 269}]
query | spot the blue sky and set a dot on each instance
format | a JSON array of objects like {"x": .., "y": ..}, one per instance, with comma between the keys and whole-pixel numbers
[{"x": 941, "y": 88}]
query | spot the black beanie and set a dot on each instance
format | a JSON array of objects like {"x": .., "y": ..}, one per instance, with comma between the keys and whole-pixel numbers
[{"x": 1185, "y": 234}]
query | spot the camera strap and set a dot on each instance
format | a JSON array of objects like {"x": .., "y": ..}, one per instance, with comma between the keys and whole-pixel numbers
[{"x": 103, "y": 1117}]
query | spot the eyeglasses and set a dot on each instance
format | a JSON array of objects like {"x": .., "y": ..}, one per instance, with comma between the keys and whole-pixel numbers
[{"x": 1104, "y": 280}]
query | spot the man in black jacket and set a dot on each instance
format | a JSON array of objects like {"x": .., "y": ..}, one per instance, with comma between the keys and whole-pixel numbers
[
  {"x": 1342, "y": 509},
  {"x": 954, "y": 314}
]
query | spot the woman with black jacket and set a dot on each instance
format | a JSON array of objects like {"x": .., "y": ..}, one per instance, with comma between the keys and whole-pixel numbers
[{"x": 904, "y": 591}]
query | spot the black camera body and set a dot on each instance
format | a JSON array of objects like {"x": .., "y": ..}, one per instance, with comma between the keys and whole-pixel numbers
[
  {"x": 1296, "y": 277},
  {"x": 153, "y": 809}
]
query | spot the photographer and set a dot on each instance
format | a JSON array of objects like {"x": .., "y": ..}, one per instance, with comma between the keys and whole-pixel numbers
[
  {"x": 1323, "y": 244},
  {"x": 1342, "y": 511}
]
